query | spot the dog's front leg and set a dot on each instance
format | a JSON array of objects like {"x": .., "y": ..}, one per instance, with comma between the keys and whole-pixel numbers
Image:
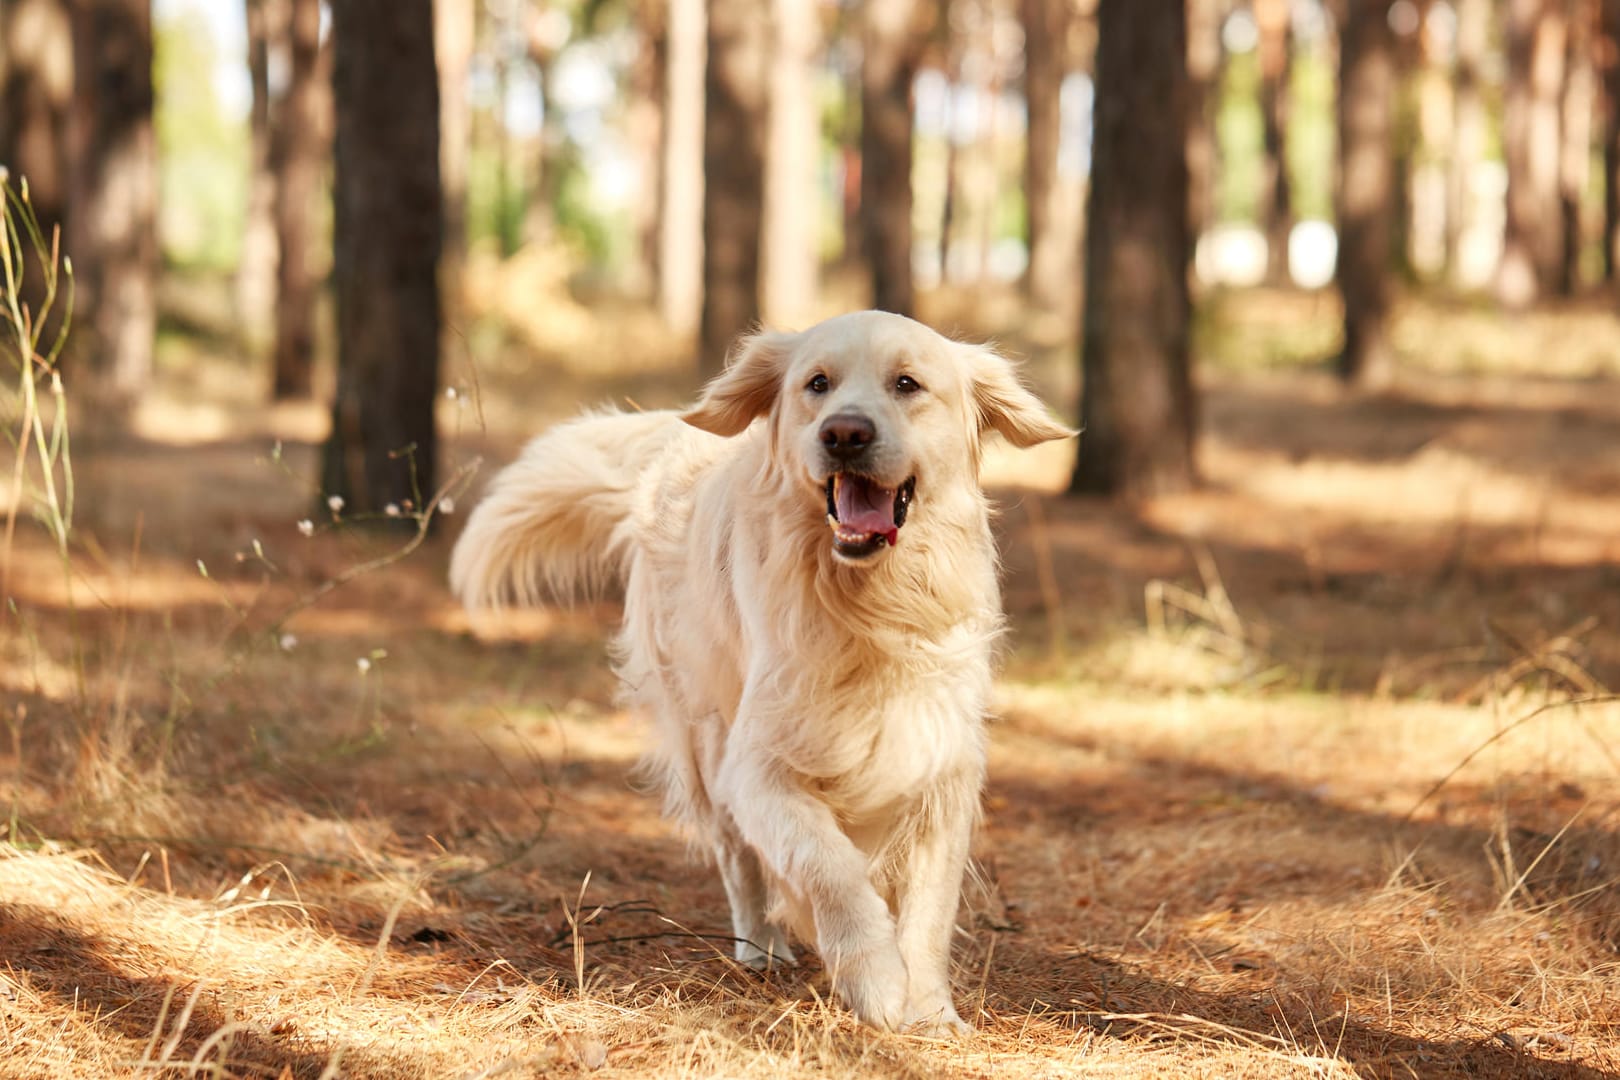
[
  {"x": 929, "y": 888},
  {"x": 800, "y": 840}
]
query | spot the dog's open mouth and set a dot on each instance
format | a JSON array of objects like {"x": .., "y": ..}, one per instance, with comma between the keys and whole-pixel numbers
[{"x": 864, "y": 515}]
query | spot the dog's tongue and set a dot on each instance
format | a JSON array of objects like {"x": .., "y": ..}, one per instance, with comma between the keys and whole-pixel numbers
[{"x": 867, "y": 507}]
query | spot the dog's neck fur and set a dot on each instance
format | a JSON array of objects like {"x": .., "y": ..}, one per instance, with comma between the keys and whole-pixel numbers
[{"x": 926, "y": 590}]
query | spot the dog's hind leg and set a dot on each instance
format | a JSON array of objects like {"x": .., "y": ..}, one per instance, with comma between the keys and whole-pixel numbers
[{"x": 760, "y": 942}]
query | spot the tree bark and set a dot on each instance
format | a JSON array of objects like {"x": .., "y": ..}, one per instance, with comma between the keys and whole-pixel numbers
[
  {"x": 737, "y": 92},
  {"x": 256, "y": 266},
  {"x": 791, "y": 257},
  {"x": 300, "y": 142},
  {"x": 1046, "y": 31},
  {"x": 1574, "y": 164},
  {"x": 888, "y": 68},
  {"x": 1272, "y": 19},
  {"x": 1468, "y": 134},
  {"x": 1366, "y": 192},
  {"x": 1137, "y": 403},
  {"x": 36, "y": 104},
  {"x": 382, "y": 449},
  {"x": 1530, "y": 145},
  {"x": 680, "y": 189},
  {"x": 114, "y": 225},
  {"x": 453, "y": 41},
  {"x": 1609, "y": 26},
  {"x": 1204, "y": 19}
]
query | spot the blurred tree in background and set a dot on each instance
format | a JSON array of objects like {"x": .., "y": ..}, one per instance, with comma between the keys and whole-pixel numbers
[
  {"x": 382, "y": 450},
  {"x": 700, "y": 165},
  {"x": 1138, "y": 412}
]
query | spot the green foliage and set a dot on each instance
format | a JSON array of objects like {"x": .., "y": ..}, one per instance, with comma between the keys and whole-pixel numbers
[
  {"x": 1309, "y": 146},
  {"x": 202, "y": 150}
]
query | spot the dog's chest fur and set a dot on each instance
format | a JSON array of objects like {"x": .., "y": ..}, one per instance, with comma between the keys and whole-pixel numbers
[{"x": 868, "y": 683}]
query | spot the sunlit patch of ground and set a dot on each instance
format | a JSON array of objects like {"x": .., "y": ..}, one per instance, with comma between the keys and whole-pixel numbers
[{"x": 1287, "y": 774}]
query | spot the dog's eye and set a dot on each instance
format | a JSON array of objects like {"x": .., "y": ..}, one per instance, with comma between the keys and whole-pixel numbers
[
  {"x": 905, "y": 384},
  {"x": 818, "y": 385}
]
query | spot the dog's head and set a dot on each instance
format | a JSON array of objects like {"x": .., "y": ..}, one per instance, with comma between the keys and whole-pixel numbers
[{"x": 872, "y": 414}]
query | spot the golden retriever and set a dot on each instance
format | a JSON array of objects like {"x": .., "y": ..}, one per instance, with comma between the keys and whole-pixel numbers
[{"x": 810, "y": 612}]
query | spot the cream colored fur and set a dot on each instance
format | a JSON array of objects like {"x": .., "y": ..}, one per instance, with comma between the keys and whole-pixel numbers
[{"x": 819, "y": 720}]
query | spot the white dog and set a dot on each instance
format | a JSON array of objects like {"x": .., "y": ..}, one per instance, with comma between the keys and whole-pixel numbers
[{"x": 810, "y": 611}]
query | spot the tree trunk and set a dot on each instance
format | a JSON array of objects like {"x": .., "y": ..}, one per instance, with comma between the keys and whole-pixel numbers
[
  {"x": 1610, "y": 28},
  {"x": 737, "y": 91},
  {"x": 1137, "y": 406},
  {"x": 256, "y": 266},
  {"x": 388, "y": 211},
  {"x": 1366, "y": 192},
  {"x": 1046, "y": 30},
  {"x": 545, "y": 42},
  {"x": 1468, "y": 134},
  {"x": 1530, "y": 145},
  {"x": 114, "y": 224},
  {"x": 300, "y": 143},
  {"x": 1272, "y": 18},
  {"x": 453, "y": 40},
  {"x": 1577, "y": 96},
  {"x": 791, "y": 255},
  {"x": 1204, "y": 19},
  {"x": 680, "y": 190},
  {"x": 36, "y": 103},
  {"x": 888, "y": 67}
]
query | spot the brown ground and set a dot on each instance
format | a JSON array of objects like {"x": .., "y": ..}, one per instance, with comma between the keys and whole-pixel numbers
[{"x": 1275, "y": 785}]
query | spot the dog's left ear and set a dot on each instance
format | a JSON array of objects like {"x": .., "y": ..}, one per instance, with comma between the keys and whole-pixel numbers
[
  {"x": 1005, "y": 404},
  {"x": 747, "y": 388}
]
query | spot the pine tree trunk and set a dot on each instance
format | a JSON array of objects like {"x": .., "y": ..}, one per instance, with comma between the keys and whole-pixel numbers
[
  {"x": 888, "y": 67},
  {"x": 1272, "y": 17},
  {"x": 114, "y": 224},
  {"x": 737, "y": 93},
  {"x": 1468, "y": 134},
  {"x": 1610, "y": 28},
  {"x": 36, "y": 104},
  {"x": 1530, "y": 146},
  {"x": 453, "y": 42},
  {"x": 1366, "y": 192},
  {"x": 1204, "y": 19},
  {"x": 1137, "y": 404},
  {"x": 790, "y": 256},
  {"x": 388, "y": 213},
  {"x": 680, "y": 190},
  {"x": 256, "y": 266},
  {"x": 1046, "y": 30},
  {"x": 300, "y": 142},
  {"x": 1576, "y": 102}
]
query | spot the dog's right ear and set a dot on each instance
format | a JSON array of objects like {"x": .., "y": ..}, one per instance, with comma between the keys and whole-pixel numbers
[{"x": 747, "y": 388}]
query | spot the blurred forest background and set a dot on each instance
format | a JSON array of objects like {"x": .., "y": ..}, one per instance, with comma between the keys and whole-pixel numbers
[
  {"x": 646, "y": 180},
  {"x": 1305, "y": 757}
]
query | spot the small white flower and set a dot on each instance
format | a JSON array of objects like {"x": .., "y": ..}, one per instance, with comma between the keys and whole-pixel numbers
[
  {"x": 287, "y": 642},
  {"x": 335, "y": 503},
  {"x": 392, "y": 509},
  {"x": 364, "y": 664},
  {"x": 307, "y": 527},
  {"x": 447, "y": 505},
  {"x": 451, "y": 393}
]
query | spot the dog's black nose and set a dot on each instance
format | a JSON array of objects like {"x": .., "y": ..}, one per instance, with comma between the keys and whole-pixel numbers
[{"x": 847, "y": 434}]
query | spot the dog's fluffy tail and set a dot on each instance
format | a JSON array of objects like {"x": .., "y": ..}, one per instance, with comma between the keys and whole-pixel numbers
[{"x": 556, "y": 522}]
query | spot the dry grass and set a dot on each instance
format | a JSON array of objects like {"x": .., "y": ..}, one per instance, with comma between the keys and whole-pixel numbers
[{"x": 1276, "y": 789}]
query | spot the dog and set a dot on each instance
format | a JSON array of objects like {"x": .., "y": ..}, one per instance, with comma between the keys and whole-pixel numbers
[{"x": 811, "y": 608}]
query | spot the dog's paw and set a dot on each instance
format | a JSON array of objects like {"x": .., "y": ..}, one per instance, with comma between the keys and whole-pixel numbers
[{"x": 873, "y": 985}]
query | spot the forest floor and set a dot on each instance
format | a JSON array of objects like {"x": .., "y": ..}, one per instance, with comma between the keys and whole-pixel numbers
[{"x": 1312, "y": 771}]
